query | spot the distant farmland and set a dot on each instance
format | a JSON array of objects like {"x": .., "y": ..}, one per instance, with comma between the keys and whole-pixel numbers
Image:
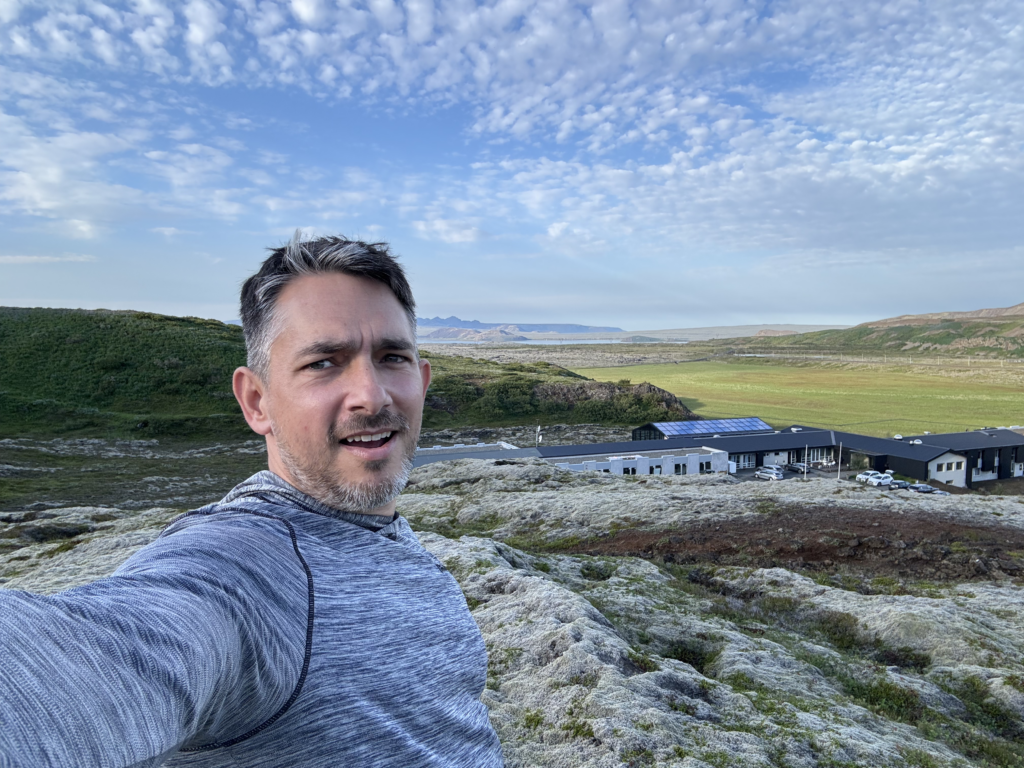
[{"x": 873, "y": 400}]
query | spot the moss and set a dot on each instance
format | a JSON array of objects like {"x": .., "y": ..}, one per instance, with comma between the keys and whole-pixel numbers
[
  {"x": 643, "y": 661},
  {"x": 886, "y": 697},
  {"x": 741, "y": 681},
  {"x": 677, "y": 705},
  {"x": 1014, "y": 681},
  {"x": 586, "y": 679},
  {"x": 596, "y": 570},
  {"x": 903, "y": 657},
  {"x": 533, "y": 719},
  {"x": 498, "y": 662},
  {"x": 64, "y": 546},
  {"x": 840, "y": 629},
  {"x": 716, "y": 758},
  {"x": 579, "y": 729},
  {"x": 633, "y": 758},
  {"x": 694, "y": 652},
  {"x": 984, "y": 711},
  {"x": 918, "y": 758}
]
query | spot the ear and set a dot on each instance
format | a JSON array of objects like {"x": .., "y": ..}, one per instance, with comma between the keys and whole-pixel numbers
[
  {"x": 249, "y": 392},
  {"x": 425, "y": 374}
]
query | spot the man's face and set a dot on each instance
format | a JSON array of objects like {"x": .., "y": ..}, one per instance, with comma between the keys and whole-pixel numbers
[{"x": 345, "y": 390}]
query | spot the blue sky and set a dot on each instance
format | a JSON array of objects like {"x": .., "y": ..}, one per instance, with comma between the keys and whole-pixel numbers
[{"x": 647, "y": 164}]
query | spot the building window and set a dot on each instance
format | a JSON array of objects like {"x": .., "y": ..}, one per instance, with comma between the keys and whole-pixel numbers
[
  {"x": 949, "y": 466},
  {"x": 959, "y": 465}
]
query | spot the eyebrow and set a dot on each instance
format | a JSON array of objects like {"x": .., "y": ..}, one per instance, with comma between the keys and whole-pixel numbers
[{"x": 334, "y": 346}]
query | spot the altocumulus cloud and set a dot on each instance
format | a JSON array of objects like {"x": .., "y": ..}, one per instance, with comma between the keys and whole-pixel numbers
[{"x": 833, "y": 138}]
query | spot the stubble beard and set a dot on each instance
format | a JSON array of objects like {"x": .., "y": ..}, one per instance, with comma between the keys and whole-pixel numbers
[{"x": 318, "y": 478}]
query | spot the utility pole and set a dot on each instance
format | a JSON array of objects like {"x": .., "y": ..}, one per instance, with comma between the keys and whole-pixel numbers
[
  {"x": 839, "y": 462},
  {"x": 539, "y": 436}
]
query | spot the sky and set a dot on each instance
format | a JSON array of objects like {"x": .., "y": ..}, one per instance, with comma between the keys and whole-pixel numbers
[{"x": 649, "y": 164}]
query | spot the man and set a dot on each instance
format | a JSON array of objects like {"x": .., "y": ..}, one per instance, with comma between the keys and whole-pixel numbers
[{"x": 298, "y": 621}]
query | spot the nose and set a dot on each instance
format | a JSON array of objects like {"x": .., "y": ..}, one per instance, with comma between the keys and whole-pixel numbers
[{"x": 365, "y": 391}]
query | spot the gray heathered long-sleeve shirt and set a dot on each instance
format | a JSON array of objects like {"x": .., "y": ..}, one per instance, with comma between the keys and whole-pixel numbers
[{"x": 262, "y": 631}]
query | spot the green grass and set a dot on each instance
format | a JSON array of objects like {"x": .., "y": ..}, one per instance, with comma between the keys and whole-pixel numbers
[
  {"x": 878, "y": 401},
  {"x": 170, "y": 477},
  {"x": 483, "y": 393},
  {"x": 137, "y": 374},
  {"x": 977, "y": 338}
]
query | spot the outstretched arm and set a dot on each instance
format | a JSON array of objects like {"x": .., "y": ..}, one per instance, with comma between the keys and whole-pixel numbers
[{"x": 197, "y": 639}]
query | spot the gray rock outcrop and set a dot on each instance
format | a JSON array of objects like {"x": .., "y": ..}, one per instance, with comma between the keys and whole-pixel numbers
[{"x": 613, "y": 645}]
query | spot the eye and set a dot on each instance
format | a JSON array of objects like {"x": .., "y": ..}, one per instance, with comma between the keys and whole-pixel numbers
[
  {"x": 394, "y": 357},
  {"x": 320, "y": 365}
]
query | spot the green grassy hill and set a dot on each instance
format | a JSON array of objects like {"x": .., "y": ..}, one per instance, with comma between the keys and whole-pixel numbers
[
  {"x": 1001, "y": 337},
  {"x": 126, "y": 373},
  {"x": 107, "y": 373}
]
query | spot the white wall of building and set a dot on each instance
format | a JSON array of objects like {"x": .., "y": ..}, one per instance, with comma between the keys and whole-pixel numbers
[
  {"x": 779, "y": 457},
  {"x": 949, "y": 468},
  {"x": 690, "y": 464}
]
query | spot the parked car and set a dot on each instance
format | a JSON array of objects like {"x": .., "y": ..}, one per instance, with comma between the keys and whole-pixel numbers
[
  {"x": 880, "y": 480},
  {"x": 777, "y": 467},
  {"x": 922, "y": 488},
  {"x": 940, "y": 493},
  {"x": 797, "y": 466},
  {"x": 898, "y": 485},
  {"x": 863, "y": 477},
  {"x": 767, "y": 473}
]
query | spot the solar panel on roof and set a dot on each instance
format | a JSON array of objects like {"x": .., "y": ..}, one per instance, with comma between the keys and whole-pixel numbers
[{"x": 712, "y": 427}]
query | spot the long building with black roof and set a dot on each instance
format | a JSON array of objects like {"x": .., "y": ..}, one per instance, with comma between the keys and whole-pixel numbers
[{"x": 957, "y": 458}]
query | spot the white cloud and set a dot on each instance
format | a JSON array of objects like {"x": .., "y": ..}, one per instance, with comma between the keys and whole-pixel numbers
[
  {"x": 447, "y": 231},
  {"x": 211, "y": 61},
  {"x": 822, "y": 131}
]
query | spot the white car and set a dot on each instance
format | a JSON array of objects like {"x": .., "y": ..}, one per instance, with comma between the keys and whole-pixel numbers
[
  {"x": 879, "y": 480},
  {"x": 863, "y": 477},
  {"x": 778, "y": 468},
  {"x": 767, "y": 473}
]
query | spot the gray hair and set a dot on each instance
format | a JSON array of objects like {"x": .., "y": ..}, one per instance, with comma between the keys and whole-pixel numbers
[{"x": 321, "y": 255}]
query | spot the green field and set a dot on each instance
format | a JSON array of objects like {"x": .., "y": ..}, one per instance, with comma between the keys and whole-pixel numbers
[{"x": 871, "y": 400}]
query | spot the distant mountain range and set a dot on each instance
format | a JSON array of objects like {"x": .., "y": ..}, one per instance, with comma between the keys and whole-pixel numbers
[{"x": 455, "y": 322}]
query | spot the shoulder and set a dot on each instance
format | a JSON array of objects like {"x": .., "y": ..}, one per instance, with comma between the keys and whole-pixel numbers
[{"x": 224, "y": 542}]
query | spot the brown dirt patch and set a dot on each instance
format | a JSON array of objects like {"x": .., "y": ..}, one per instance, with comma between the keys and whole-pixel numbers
[{"x": 872, "y": 544}]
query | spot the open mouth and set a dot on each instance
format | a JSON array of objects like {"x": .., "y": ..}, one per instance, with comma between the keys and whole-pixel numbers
[{"x": 368, "y": 441}]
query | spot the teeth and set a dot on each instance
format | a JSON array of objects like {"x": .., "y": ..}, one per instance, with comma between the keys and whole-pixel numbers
[{"x": 367, "y": 438}]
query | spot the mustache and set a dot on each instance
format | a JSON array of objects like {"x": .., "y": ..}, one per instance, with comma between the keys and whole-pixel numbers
[{"x": 384, "y": 421}]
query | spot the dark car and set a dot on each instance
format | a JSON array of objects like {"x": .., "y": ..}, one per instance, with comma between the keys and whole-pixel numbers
[
  {"x": 900, "y": 484},
  {"x": 922, "y": 488}
]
